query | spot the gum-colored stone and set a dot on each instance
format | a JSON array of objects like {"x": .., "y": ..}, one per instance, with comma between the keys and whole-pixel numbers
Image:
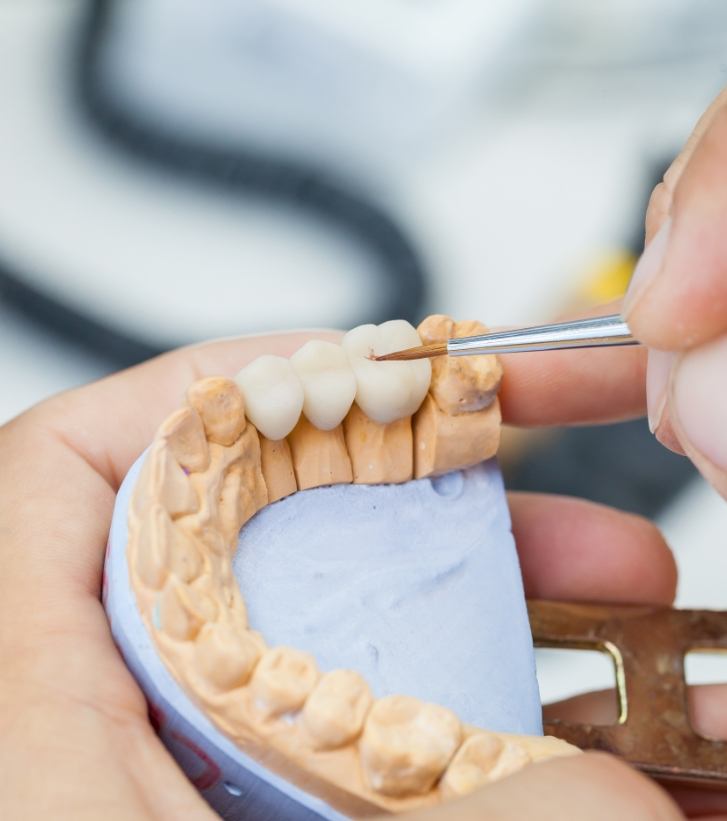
[
  {"x": 184, "y": 433},
  {"x": 336, "y": 709},
  {"x": 443, "y": 442},
  {"x": 282, "y": 681},
  {"x": 319, "y": 456},
  {"x": 182, "y": 611},
  {"x": 460, "y": 384},
  {"x": 472, "y": 764},
  {"x": 277, "y": 468},
  {"x": 380, "y": 454},
  {"x": 407, "y": 744},
  {"x": 171, "y": 486},
  {"x": 225, "y": 656},
  {"x": 220, "y": 405}
]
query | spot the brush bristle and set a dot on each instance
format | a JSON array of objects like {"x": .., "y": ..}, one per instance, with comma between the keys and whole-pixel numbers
[{"x": 422, "y": 352}]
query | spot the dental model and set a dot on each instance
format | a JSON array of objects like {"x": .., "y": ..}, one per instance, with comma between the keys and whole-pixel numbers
[{"x": 329, "y": 415}]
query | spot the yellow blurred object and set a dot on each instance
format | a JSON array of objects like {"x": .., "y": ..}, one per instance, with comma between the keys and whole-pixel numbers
[{"x": 608, "y": 279}]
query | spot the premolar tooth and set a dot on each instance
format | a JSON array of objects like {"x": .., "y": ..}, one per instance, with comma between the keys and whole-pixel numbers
[
  {"x": 282, "y": 680},
  {"x": 406, "y": 745},
  {"x": 472, "y": 764},
  {"x": 335, "y": 711},
  {"x": 227, "y": 656},
  {"x": 386, "y": 391},
  {"x": 273, "y": 395},
  {"x": 329, "y": 383}
]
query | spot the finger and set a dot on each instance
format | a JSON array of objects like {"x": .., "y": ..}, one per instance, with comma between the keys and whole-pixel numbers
[
  {"x": 678, "y": 293},
  {"x": 138, "y": 399},
  {"x": 584, "y": 386},
  {"x": 660, "y": 202},
  {"x": 574, "y": 549},
  {"x": 698, "y": 409},
  {"x": 707, "y": 716},
  {"x": 593, "y": 786}
]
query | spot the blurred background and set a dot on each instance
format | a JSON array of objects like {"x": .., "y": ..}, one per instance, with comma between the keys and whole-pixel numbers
[{"x": 174, "y": 170}]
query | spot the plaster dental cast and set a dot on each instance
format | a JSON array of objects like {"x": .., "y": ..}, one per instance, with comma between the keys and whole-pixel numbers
[{"x": 76, "y": 740}]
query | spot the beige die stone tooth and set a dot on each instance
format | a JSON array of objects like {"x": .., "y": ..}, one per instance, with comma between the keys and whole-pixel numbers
[
  {"x": 472, "y": 764},
  {"x": 335, "y": 711},
  {"x": 243, "y": 491},
  {"x": 406, "y": 745},
  {"x": 512, "y": 759},
  {"x": 277, "y": 468},
  {"x": 380, "y": 454},
  {"x": 151, "y": 557},
  {"x": 184, "y": 433},
  {"x": 443, "y": 442},
  {"x": 182, "y": 610},
  {"x": 282, "y": 681},
  {"x": 460, "y": 384},
  {"x": 220, "y": 405},
  {"x": 169, "y": 484},
  {"x": 226, "y": 656},
  {"x": 319, "y": 456}
]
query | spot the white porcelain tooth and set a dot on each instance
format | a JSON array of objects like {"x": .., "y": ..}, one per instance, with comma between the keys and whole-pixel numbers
[
  {"x": 273, "y": 395},
  {"x": 329, "y": 383},
  {"x": 387, "y": 391}
]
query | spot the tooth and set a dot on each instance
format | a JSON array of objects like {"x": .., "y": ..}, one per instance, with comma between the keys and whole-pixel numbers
[
  {"x": 219, "y": 402},
  {"x": 335, "y": 711},
  {"x": 273, "y": 395},
  {"x": 163, "y": 479},
  {"x": 225, "y": 656},
  {"x": 151, "y": 556},
  {"x": 181, "y": 611},
  {"x": 282, "y": 680},
  {"x": 184, "y": 433},
  {"x": 329, "y": 383},
  {"x": 513, "y": 758},
  {"x": 406, "y": 745},
  {"x": 460, "y": 384},
  {"x": 472, "y": 764},
  {"x": 387, "y": 391}
]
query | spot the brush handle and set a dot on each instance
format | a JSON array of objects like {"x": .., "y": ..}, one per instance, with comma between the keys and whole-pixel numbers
[{"x": 599, "y": 332}]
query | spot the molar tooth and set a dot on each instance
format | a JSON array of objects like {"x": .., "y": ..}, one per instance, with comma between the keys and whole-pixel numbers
[
  {"x": 406, "y": 745},
  {"x": 273, "y": 395},
  {"x": 472, "y": 764},
  {"x": 219, "y": 402},
  {"x": 387, "y": 391},
  {"x": 282, "y": 680},
  {"x": 226, "y": 656},
  {"x": 329, "y": 383},
  {"x": 335, "y": 711}
]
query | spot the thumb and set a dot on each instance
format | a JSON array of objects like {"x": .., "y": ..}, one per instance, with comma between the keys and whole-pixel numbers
[
  {"x": 678, "y": 295},
  {"x": 593, "y": 786}
]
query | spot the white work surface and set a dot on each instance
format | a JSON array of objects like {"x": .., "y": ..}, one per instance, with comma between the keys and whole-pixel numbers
[{"x": 475, "y": 209}]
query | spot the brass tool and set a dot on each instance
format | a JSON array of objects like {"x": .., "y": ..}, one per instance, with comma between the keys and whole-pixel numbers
[{"x": 647, "y": 646}]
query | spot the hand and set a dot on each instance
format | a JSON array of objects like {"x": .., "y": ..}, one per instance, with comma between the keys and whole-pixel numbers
[
  {"x": 75, "y": 741},
  {"x": 677, "y": 301}
]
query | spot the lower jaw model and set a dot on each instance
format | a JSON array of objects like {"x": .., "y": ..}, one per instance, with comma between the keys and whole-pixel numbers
[{"x": 357, "y": 506}]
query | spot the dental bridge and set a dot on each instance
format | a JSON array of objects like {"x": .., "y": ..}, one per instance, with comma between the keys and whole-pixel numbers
[{"x": 328, "y": 415}]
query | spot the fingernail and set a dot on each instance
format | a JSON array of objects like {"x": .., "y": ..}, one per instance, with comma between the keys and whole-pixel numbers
[
  {"x": 700, "y": 400},
  {"x": 647, "y": 267},
  {"x": 657, "y": 379}
]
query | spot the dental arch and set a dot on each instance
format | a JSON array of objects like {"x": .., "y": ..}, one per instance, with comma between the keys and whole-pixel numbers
[{"x": 322, "y": 417}]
